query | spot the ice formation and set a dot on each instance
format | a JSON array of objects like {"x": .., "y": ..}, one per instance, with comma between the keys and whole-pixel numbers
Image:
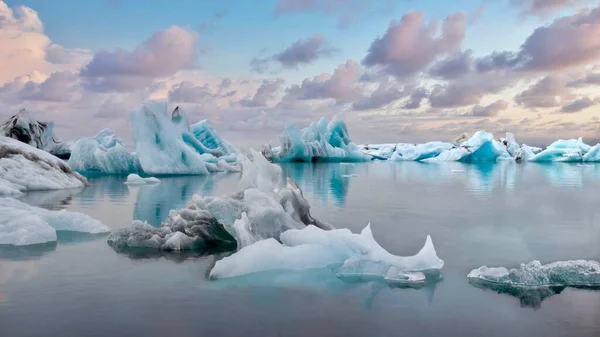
[
  {"x": 320, "y": 141},
  {"x": 531, "y": 283},
  {"x": 21, "y": 224},
  {"x": 350, "y": 255},
  {"x": 165, "y": 143},
  {"x": 25, "y": 168},
  {"x": 134, "y": 179},
  {"x": 482, "y": 147},
  {"x": 209, "y": 137},
  {"x": 260, "y": 211},
  {"x": 24, "y": 128},
  {"x": 102, "y": 153}
]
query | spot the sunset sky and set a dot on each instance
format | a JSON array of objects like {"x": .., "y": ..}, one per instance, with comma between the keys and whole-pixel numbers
[{"x": 395, "y": 71}]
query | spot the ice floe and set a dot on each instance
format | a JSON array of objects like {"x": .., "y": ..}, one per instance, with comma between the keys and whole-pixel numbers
[
  {"x": 322, "y": 141},
  {"x": 26, "y": 168},
  {"x": 21, "y": 224},
  {"x": 134, "y": 179}
]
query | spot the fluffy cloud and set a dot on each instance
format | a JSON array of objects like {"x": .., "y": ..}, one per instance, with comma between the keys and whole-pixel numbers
[
  {"x": 417, "y": 96},
  {"x": 453, "y": 66},
  {"x": 26, "y": 49},
  {"x": 411, "y": 45},
  {"x": 266, "y": 92},
  {"x": 579, "y": 105},
  {"x": 301, "y": 52},
  {"x": 470, "y": 89},
  {"x": 587, "y": 80},
  {"x": 163, "y": 54},
  {"x": 490, "y": 110},
  {"x": 385, "y": 94},
  {"x": 189, "y": 92},
  {"x": 546, "y": 7},
  {"x": 548, "y": 92}
]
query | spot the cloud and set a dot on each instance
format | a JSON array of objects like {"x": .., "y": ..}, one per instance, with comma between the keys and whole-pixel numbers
[
  {"x": 386, "y": 93},
  {"x": 59, "y": 87},
  {"x": 470, "y": 89},
  {"x": 454, "y": 66},
  {"x": 266, "y": 92},
  {"x": 163, "y": 54},
  {"x": 188, "y": 92},
  {"x": 411, "y": 45},
  {"x": 546, "y": 7},
  {"x": 341, "y": 86},
  {"x": 490, "y": 110},
  {"x": 588, "y": 80},
  {"x": 300, "y": 52},
  {"x": 548, "y": 92},
  {"x": 417, "y": 96},
  {"x": 26, "y": 49},
  {"x": 579, "y": 105}
]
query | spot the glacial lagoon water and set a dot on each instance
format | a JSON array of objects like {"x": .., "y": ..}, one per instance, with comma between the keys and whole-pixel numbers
[{"x": 499, "y": 214}]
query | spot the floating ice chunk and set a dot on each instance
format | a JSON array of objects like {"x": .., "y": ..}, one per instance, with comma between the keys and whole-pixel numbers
[
  {"x": 570, "y": 144},
  {"x": 312, "y": 247},
  {"x": 558, "y": 155},
  {"x": 410, "y": 152},
  {"x": 21, "y": 224},
  {"x": 40, "y": 135},
  {"x": 89, "y": 155},
  {"x": 512, "y": 147},
  {"x": 577, "y": 273},
  {"x": 134, "y": 179},
  {"x": 27, "y": 168},
  {"x": 260, "y": 173},
  {"x": 593, "y": 155},
  {"x": 320, "y": 141}
]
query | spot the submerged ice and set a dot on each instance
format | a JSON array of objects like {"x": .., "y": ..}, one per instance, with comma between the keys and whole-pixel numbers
[
  {"x": 320, "y": 141},
  {"x": 21, "y": 224}
]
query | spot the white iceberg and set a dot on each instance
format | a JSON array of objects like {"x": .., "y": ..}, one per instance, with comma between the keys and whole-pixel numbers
[
  {"x": 320, "y": 141},
  {"x": 134, "y": 179},
  {"x": 262, "y": 210},
  {"x": 102, "y": 153},
  {"x": 27, "y": 168},
  {"x": 21, "y": 224},
  {"x": 26, "y": 129},
  {"x": 350, "y": 255},
  {"x": 165, "y": 143},
  {"x": 577, "y": 273}
]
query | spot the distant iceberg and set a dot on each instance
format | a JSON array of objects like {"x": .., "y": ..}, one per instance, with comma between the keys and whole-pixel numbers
[
  {"x": 320, "y": 141},
  {"x": 134, "y": 179},
  {"x": 26, "y": 168},
  {"x": 260, "y": 211},
  {"x": 25, "y": 129},
  {"x": 482, "y": 147},
  {"x": 532, "y": 282},
  {"x": 352, "y": 256},
  {"x": 21, "y": 224},
  {"x": 165, "y": 143},
  {"x": 103, "y": 153}
]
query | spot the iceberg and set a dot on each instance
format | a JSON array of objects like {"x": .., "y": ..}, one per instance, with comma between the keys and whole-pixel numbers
[
  {"x": 102, "y": 153},
  {"x": 21, "y": 224},
  {"x": 209, "y": 137},
  {"x": 350, "y": 255},
  {"x": 320, "y": 141},
  {"x": 26, "y": 168},
  {"x": 411, "y": 152},
  {"x": 532, "y": 282},
  {"x": 593, "y": 155},
  {"x": 134, "y": 179},
  {"x": 260, "y": 211},
  {"x": 165, "y": 143},
  {"x": 26, "y": 129}
]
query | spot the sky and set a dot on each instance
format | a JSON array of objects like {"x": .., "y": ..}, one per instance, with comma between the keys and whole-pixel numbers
[{"x": 394, "y": 70}]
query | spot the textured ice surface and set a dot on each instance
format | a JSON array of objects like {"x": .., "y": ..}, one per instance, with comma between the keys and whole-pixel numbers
[
  {"x": 26, "y": 129},
  {"x": 593, "y": 155},
  {"x": 208, "y": 136},
  {"x": 262, "y": 210},
  {"x": 165, "y": 143},
  {"x": 21, "y": 224},
  {"x": 578, "y": 273},
  {"x": 134, "y": 179},
  {"x": 27, "y": 168},
  {"x": 312, "y": 247},
  {"x": 320, "y": 141},
  {"x": 411, "y": 152},
  {"x": 103, "y": 153}
]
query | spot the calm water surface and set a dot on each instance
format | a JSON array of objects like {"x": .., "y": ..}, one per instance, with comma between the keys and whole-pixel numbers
[{"x": 496, "y": 215}]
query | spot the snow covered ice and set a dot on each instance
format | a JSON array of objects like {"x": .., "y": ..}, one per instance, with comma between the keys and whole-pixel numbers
[
  {"x": 320, "y": 141},
  {"x": 350, "y": 255},
  {"x": 165, "y": 143},
  {"x": 21, "y": 224},
  {"x": 134, "y": 179},
  {"x": 26, "y": 168},
  {"x": 534, "y": 281}
]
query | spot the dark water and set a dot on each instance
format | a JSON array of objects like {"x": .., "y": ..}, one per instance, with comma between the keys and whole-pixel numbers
[{"x": 495, "y": 215}]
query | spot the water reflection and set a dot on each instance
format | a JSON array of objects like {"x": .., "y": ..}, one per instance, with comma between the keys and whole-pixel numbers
[
  {"x": 111, "y": 187},
  {"x": 52, "y": 200},
  {"x": 173, "y": 256}
]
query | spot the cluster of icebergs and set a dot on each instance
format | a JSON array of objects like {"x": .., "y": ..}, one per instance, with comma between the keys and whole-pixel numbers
[{"x": 482, "y": 147}]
